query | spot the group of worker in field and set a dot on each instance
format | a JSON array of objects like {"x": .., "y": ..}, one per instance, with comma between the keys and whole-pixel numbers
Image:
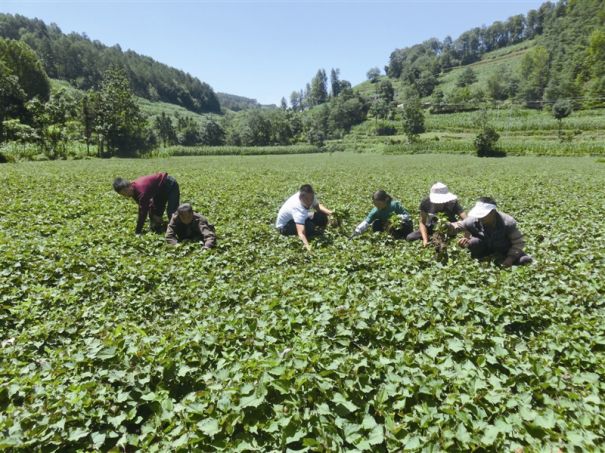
[{"x": 488, "y": 232}]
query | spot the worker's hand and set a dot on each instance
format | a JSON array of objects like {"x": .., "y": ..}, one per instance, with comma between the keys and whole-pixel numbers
[
  {"x": 464, "y": 242},
  {"x": 425, "y": 243}
]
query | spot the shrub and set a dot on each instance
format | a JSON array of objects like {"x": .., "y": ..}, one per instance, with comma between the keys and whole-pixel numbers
[{"x": 485, "y": 141}]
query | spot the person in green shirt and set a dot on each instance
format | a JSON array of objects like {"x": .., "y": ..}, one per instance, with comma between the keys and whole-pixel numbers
[{"x": 389, "y": 215}]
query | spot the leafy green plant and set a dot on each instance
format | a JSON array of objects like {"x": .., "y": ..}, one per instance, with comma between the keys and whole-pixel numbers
[
  {"x": 111, "y": 341},
  {"x": 440, "y": 238}
]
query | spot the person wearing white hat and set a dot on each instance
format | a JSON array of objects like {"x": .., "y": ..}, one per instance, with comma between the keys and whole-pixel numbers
[
  {"x": 440, "y": 199},
  {"x": 492, "y": 233}
]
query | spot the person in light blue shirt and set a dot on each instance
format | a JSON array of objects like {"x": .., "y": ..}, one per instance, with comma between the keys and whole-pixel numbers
[{"x": 388, "y": 215}]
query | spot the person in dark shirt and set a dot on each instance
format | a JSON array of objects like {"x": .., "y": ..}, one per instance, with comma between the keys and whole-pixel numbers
[
  {"x": 440, "y": 199},
  {"x": 154, "y": 194},
  {"x": 188, "y": 225},
  {"x": 492, "y": 233}
]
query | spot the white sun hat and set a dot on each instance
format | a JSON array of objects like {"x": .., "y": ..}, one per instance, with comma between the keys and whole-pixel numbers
[
  {"x": 440, "y": 193},
  {"x": 481, "y": 209}
]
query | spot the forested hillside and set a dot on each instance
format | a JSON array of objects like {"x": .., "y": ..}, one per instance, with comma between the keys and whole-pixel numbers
[
  {"x": 514, "y": 82},
  {"x": 236, "y": 103},
  {"x": 81, "y": 61},
  {"x": 566, "y": 60}
]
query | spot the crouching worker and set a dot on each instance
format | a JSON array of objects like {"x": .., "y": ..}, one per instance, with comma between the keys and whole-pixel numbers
[
  {"x": 154, "y": 194},
  {"x": 186, "y": 225},
  {"x": 440, "y": 200},
  {"x": 492, "y": 233},
  {"x": 389, "y": 215},
  {"x": 294, "y": 218}
]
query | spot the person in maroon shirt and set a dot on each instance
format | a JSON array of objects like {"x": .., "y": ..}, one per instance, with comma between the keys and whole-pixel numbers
[{"x": 154, "y": 194}]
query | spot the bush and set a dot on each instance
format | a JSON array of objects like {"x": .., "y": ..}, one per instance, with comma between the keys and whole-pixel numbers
[
  {"x": 485, "y": 141},
  {"x": 384, "y": 129}
]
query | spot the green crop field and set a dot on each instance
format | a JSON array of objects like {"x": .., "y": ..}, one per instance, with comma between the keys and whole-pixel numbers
[{"x": 111, "y": 341}]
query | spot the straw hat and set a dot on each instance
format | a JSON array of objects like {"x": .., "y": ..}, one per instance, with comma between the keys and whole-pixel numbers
[{"x": 440, "y": 193}]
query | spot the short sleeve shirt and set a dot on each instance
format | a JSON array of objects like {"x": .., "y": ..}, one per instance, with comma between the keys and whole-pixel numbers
[
  {"x": 451, "y": 209},
  {"x": 293, "y": 210}
]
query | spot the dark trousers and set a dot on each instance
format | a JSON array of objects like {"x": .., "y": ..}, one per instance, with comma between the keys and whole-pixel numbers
[
  {"x": 314, "y": 225},
  {"x": 480, "y": 249},
  {"x": 399, "y": 232},
  {"x": 416, "y": 236},
  {"x": 168, "y": 199}
]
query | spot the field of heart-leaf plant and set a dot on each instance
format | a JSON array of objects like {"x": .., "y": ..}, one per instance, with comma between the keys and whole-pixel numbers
[{"x": 116, "y": 342}]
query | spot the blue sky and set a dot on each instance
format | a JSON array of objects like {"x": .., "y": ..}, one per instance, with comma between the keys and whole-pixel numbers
[{"x": 265, "y": 50}]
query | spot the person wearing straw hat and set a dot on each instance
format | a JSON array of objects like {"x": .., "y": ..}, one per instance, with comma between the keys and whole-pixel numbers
[
  {"x": 492, "y": 233},
  {"x": 440, "y": 199}
]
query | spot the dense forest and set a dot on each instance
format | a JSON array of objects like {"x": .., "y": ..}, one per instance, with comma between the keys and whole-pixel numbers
[
  {"x": 82, "y": 62},
  {"x": 551, "y": 59}
]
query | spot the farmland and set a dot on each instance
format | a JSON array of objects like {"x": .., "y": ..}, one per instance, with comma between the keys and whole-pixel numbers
[{"x": 114, "y": 341}]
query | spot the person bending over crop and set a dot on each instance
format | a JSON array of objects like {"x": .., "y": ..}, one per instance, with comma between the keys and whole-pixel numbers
[
  {"x": 492, "y": 233},
  {"x": 294, "y": 217},
  {"x": 388, "y": 214},
  {"x": 440, "y": 199},
  {"x": 154, "y": 194},
  {"x": 186, "y": 225}
]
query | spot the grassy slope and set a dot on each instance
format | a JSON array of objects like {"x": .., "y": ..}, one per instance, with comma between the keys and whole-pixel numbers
[{"x": 522, "y": 131}]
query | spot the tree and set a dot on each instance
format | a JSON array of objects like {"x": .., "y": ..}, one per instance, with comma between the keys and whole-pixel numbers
[
  {"x": 373, "y": 75},
  {"x": 88, "y": 116},
  {"x": 596, "y": 53},
  {"x": 296, "y": 101},
  {"x": 255, "y": 128},
  {"x": 425, "y": 83},
  {"x": 499, "y": 86},
  {"x": 12, "y": 97},
  {"x": 486, "y": 139},
  {"x": 379, "y": 108},
  {"x": 212, "y": 133},
  {"x": 413, "y": 118},
  {"x": 318, "y": 93},
  {"x": 165, "y": 129},
  {"x": 284, "y": 104},
  {"x": 188, "y": 131},
  {"x": 27, "y": 67},
  {"x": 120, "y": 125},
  {"x": 533, "y": 76},
  {"x": 561, "y": 109},
  {"x": 466, "y": 77},
  {"x": 385, "y": 91},
  {"x": 335, "y": 82}
]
